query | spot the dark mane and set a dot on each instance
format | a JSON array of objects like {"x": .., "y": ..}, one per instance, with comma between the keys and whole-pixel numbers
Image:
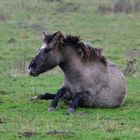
[
  {"x": 89, "y": 52},
  {"x": 69, "y": 39}
]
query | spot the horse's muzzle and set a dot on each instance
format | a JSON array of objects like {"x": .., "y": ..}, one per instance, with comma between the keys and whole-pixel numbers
[{"x": 32, "y": 73}]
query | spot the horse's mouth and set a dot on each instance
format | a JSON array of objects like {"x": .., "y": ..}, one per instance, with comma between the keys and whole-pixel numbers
[{"x": 33, "y": 73}]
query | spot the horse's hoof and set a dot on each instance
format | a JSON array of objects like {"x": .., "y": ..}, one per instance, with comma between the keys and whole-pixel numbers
[
  {"x": 34, "y": 98},
  {"x": 51, "y": 109},
  {"x": 70, "y": 111}
]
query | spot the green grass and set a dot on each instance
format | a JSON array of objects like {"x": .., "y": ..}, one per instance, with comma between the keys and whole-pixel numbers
[{"x": 24, "y": 21}]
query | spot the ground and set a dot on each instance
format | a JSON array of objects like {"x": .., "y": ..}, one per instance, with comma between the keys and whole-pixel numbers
[{"x": 21, "y": 26}]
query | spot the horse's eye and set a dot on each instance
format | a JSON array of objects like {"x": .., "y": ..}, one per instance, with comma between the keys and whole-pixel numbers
[{"x": 47, "y": 50}]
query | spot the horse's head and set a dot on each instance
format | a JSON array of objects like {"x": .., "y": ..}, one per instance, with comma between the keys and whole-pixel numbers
[{"x": 48, "y": 55}]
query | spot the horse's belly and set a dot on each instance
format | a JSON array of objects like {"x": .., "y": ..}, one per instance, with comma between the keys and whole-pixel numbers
[
  {"x": 105, "y": 97},
  {"x": 110, "y": 99}
]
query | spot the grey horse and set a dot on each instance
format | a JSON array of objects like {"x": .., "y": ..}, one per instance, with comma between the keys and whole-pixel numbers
[{"x": 89, "y": 79}]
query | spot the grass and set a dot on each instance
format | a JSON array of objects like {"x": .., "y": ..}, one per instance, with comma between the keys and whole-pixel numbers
[{"x": 21, "y": 26}]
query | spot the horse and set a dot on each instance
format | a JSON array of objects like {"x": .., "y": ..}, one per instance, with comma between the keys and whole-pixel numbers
[{"x": 90, "y": 80}]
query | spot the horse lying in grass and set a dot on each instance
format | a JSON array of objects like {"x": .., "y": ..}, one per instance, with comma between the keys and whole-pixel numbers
[{"x": 89, "y": 80}]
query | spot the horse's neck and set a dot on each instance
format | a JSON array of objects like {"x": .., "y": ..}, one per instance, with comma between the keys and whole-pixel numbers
[
  {"x": 72, "y": 74},
  {"x": 76, "y": 72},
  {"x": 74, "y": 69},
  {"x": 71, "y": 67},
  {"x": 71, "y": 64}
]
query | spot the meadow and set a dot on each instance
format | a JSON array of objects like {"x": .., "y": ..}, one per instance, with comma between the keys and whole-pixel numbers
[{"x": 116, "y": 30}]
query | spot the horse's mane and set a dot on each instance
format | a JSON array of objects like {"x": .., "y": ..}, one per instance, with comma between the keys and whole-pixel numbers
[{"x": 89, "y": 52}]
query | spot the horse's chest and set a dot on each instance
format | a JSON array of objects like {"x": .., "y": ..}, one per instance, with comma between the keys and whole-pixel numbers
[{"x": 76, "y": 85}]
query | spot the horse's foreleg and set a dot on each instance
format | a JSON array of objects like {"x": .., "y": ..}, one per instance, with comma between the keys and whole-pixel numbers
[
  {"x": 75, "y": 103},
  {"x": 45, "y": 96},
  {"x": 57, "y": 97}
]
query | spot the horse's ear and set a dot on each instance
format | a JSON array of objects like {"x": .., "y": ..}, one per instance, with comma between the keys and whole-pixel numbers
[
  {"x": 44, "y": 36},
  {"x": 58, "y": 36},
  {"x": 80, "y": 52}
]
